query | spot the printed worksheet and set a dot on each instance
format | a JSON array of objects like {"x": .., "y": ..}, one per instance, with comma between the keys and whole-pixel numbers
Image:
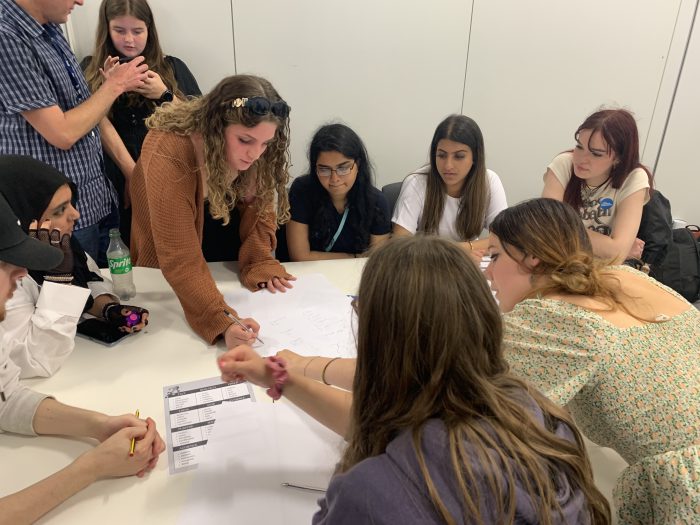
[{"x": 190, "y": 412}]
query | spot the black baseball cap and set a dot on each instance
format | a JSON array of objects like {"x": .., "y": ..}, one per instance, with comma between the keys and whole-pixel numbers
[{"x": 16, "y": 247}]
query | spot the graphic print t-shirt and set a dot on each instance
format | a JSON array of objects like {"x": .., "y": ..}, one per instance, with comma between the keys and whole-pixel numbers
[{"x": 599, "y": 206}]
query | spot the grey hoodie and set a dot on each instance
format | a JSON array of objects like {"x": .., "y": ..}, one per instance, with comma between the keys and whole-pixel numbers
[{"x": 389, "y": 488}]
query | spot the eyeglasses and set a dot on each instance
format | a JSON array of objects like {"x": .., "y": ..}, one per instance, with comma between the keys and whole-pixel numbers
[
  {"x": 262, "y": 106},
  {"x": 341, "y": 171}
]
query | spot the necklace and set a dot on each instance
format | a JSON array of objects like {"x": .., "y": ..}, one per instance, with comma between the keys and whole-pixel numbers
[{"x": 588, "y": 191}]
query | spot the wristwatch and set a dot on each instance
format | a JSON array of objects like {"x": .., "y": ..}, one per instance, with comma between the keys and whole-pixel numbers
[{"x": 167, "y": 96}]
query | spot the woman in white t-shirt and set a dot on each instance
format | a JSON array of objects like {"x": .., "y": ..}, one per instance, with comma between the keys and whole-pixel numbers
[
  {"x": 603, "y": 179},
  {"x": 455, "y": 196}
]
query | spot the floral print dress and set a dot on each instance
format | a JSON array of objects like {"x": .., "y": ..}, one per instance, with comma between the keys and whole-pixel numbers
[{"x": 635, "y": 390}]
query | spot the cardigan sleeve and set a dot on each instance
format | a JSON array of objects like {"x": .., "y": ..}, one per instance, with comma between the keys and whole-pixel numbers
[
  {"x": 255, "y": 260},
  {"x": 171, "y": 188}
]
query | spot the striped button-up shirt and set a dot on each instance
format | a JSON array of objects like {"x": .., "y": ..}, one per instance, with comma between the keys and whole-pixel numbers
[{"x": 39, "y": 70}]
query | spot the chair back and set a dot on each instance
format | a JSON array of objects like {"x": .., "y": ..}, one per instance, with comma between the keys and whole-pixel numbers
[{"x": 391, "y": 192}]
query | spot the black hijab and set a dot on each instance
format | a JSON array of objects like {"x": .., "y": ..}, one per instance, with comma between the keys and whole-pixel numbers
[{"x": 28, "y": 186}]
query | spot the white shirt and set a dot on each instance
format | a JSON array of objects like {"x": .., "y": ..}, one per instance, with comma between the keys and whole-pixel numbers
[
  {"x": 409, "y": 206},
  {"x": 40, "y": 325},
  {"x": 18, "y": 403}
]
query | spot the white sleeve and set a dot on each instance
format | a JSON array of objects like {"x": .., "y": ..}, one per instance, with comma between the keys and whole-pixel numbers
[
  {"x": 39, "y": 333},
  {"x": 635, "y": 181},
  {"x": 103, "y": 287},
  {"x": 409, "y": 205},
  {"x": 17, "y": 411},
  {"x": 498, "y": 202},
  {"x": 561, "y": 167},
  {"x": 18, "y": 403}
]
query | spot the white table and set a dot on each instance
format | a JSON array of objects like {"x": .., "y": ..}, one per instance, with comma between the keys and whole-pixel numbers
[
  {"x": 130, "y": 376},
  {"x": 121, "y": 379}
]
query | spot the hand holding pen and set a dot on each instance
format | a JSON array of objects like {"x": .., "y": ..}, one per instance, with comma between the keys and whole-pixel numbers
[
  {"x": 118, "y": 434},
  {"x": 133, "y": 439},
  {"x": 242, "y": 331}
]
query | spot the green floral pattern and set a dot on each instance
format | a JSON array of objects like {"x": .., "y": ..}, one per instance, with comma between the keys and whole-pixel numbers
[{"x": 635, "y": 390}]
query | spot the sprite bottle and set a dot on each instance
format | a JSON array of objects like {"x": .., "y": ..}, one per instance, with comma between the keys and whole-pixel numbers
[{"x": 119, "y": 260}]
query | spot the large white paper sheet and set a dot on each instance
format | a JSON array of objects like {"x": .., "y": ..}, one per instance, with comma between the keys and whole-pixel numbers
[
  {"x": 313, "y": 318},
  {"x": 255, "y": 448}
]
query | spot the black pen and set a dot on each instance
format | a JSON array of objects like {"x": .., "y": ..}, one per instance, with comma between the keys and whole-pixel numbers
[
  {"x": 303, "y": 487},
  {"x": 239, "y": 323}
]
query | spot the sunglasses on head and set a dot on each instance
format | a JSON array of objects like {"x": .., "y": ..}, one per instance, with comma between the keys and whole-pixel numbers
[{"x": 262, "y": 106}]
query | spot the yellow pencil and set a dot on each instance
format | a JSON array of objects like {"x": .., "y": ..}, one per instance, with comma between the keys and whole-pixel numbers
[{"x": 133, "y": 440}]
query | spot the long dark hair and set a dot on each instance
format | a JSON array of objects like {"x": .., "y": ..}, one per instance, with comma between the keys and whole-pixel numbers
[
  {"x": 152, "y": 53},
  {"x": 361, "y": 201},
  {"x": 619, "y": 131},
  {"x": 475, "y": 193},
  {"x": 430, "y": 333}
]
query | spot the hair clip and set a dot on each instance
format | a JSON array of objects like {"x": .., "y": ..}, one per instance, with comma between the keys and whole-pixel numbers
[{"x": 261, "y": 106}]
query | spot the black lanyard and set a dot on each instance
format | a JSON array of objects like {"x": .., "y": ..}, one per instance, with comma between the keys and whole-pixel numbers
[{"x": 55, "y": 36}]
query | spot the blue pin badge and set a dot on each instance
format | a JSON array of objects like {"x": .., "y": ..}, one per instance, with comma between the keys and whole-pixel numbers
[{"x": 606, "y": 203}]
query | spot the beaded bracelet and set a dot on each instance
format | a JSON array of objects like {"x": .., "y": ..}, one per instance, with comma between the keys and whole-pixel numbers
[
  {"x": 59, "y": 279},
  {"x": 278, "y": 369}
]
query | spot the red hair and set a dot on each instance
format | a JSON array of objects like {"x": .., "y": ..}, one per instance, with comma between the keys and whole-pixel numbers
[{"x": 619, "y": 131}]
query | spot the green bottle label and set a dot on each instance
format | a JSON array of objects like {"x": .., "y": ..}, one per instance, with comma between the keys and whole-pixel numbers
[{"x": 121, "y": 265}]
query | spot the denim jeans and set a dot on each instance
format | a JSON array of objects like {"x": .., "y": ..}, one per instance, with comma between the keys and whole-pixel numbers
[{"x": 94, "y": 239}]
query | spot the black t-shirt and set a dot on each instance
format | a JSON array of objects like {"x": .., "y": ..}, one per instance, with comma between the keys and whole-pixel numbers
[
  {"x": 129, "y": 122},
  {"x": 305, "y": 205},
  {"x": 219, "y": 242}
]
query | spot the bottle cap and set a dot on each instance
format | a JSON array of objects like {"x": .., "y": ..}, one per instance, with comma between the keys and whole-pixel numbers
[{"x": 114, "y": 232}]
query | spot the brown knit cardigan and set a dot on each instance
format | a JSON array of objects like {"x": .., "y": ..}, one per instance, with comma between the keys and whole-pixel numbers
[{"x": 167, "y": 198}]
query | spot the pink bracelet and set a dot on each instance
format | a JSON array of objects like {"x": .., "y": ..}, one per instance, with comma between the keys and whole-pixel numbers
[{"x": 278, "y": 369}]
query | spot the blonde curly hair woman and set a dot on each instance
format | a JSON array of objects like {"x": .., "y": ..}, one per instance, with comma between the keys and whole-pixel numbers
[{"x": 211, "y": 185}]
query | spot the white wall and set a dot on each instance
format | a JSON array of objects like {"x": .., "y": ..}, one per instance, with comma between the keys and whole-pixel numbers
[
  {"x": 678, "y": 172},
  {"x": 200, "y": 33},
  {"x": 537, "y": 69},
  {"x": 528, "y": 72},
  {"x": 389, "y": 70}
]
